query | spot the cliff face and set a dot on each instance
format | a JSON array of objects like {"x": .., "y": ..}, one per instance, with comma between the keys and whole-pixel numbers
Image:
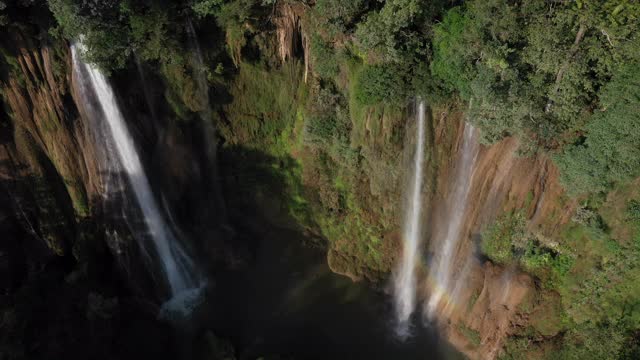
[
  {"x": 61, "y": 294},
  {"x": 491, "y": 301},
  {"x": 51, "y": 163},
  {"x": 48, "y": 161},
  {"x": 361, "y": 204}
]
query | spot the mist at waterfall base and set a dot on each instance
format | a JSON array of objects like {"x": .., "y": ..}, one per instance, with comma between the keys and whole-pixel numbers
[
  {"x": 109, "y": 128},
  {"x": 405, "y": 279}
]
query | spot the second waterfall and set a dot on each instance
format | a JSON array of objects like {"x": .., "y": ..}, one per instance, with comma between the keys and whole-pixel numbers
[
  {"x": 448, "y": 238},
  {"x": 405, "y": 279}
]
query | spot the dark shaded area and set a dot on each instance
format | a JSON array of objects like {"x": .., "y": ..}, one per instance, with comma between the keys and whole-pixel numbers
[
  {"x": 66, "y": 307},
  {"x": 286, "y": 301}
]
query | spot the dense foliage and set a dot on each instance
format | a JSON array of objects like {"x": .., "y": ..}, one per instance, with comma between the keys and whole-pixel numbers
[
  {"x": 533, "y": 69},
  {"x": 113, "y": 31},
  {"x": 609, "y": 150}
]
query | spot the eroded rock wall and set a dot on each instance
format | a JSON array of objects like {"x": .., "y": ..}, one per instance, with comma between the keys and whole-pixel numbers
[
  {"x": 47, "y": 157},
  {"x": 484, "y": 307}
]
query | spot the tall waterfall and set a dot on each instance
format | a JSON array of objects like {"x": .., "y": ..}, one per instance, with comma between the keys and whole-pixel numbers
[
  {"x": 448, "y": 239},
  {"x": 405, "y": 279},
  {"x": 109, "y": 128}
]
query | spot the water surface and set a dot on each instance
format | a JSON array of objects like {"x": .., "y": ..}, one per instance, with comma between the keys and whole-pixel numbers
[{"x": 288, "y": 302}]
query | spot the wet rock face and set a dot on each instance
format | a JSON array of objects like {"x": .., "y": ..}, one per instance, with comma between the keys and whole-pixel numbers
[
  {"x": 47, "y": 163},
  {"x": 487, "y": 306}
]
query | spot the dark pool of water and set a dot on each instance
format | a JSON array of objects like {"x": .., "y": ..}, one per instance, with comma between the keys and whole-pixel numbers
[{"x": 287, "y": 302}]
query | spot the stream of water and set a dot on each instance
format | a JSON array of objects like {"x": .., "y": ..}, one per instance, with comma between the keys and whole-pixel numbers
[
  {"x": 405, "y": 279},
  {"x": 109, "y": 127},
  {"x": 447, "y": 240}
]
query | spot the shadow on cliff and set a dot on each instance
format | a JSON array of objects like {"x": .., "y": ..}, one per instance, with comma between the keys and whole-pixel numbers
[
  {"x": 259, "y": 187},
  {"x": 65, "y": 305},
  {"x": 284, "y": 299}
]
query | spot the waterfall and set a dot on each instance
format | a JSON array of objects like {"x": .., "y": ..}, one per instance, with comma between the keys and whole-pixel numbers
[
  {"x": 110, "y": 130},
  {"x": 446, "y": 242},
  {"x": 405, "y": 279}
]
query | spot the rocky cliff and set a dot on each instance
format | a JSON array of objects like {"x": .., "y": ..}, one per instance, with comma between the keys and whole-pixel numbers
[
  {"x": 493, "y": 301},
  {"x": 48, "y": 162}
]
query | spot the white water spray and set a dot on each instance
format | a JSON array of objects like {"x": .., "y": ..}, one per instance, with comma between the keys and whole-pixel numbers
[
  {"x": 447, "y": 241},
  {"x": 405, "y": 279},
  {"x": 177, "y": 266}
]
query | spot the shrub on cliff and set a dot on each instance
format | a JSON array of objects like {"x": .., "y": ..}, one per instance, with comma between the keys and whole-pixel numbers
[
  {"x": 633, "y": 211},
  {"x": 507, "y": 241},
  {"x": 327, "y": 123},
  {"x": 375, "y": 84},
  {"x": 499, "y": 238},
  {"x": 325, "y": 62}
]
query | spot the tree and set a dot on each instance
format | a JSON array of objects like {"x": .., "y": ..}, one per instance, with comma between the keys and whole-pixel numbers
[
  {"x": 609, "y": 151},
  {"x": 397, "y": 33},
  {"x": 101, "y": 27},
  {"x": 114, "y": 30},
  {"x": 452, "y": 63},
  {"x": 382, "y": 83},
  {"x": 530, "y": 68}
]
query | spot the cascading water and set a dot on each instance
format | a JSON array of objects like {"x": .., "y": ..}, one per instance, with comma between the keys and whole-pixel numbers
[
  {"x": 182, "y": 279},
  {"x": 405, "y": 280},
  {"x": 447, "y": 241}
]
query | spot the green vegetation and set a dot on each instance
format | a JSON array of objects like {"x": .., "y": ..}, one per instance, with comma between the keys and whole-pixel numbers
[
  {"x": 375, "y": 84},
  {"x": 588, "y": 275},
  {"x": 266, "y": 120},
  {"x": 501, "y": 57},
  {"x": 472, "y": 335},
  {"x": 233, "y": 17},
  {"x": 531, "y": 70},
  {"x": 507, "y": 241},
  {"x": 397, "y": 32},
  {"x": 609, "y": 151},
  {"x": 499, "y": 240},
  {"x": 473, "y": 299}
]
